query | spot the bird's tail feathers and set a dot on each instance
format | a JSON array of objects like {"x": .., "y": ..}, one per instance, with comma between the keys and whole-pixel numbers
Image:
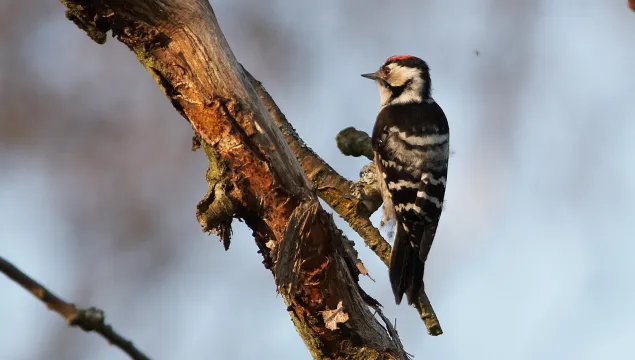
[{"x": 406, "y": 268}]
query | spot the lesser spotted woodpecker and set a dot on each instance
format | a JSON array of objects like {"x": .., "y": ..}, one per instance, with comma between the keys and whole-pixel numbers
[{"x": 411, "y": 147}]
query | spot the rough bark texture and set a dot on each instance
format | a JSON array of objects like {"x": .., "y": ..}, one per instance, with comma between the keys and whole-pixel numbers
[{"x": 253, "y": 174}]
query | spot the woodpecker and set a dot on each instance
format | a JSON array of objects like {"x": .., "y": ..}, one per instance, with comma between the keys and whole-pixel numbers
[{"x": 410, "y": 142}]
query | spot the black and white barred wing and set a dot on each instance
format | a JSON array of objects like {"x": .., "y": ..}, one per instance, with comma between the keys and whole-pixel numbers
[
  {"x": 411, "y": 157},
  {"x": 429, "y": 205},
  {"x": 399, "y": 188}
]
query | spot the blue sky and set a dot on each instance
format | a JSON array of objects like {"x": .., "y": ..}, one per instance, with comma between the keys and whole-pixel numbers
[{"x": 533, "y": 258}]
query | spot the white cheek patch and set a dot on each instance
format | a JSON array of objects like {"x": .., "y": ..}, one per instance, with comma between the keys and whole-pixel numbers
[
  {"x": 384, "y": 94},
  {"x": 399, "y": 75}
]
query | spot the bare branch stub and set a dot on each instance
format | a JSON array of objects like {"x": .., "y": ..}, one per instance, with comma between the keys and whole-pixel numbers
[
  {"x": 353, "y": 142},
  {"x": 90, "y": 319},
  {"x": 216, "y": 210},
  {"x": 261, "y": 182}
]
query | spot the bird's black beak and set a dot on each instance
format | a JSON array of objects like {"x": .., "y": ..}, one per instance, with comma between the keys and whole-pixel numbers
[{"x": 373, "y": 76}]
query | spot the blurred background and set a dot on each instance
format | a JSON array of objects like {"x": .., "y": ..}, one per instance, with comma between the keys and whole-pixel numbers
[{"x": 534, "y": 255}]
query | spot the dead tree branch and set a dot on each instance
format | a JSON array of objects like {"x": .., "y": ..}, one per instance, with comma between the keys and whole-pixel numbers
[
  {"x": 90, "y": 319},
  {"x": 253, "y": 174}
]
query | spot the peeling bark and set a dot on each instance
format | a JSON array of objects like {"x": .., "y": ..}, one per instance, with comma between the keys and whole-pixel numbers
[{"x": 253, "y": 173}]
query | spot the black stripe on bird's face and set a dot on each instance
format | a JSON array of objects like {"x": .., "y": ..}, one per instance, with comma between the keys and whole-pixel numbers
[{"x": 396, "y": 91}]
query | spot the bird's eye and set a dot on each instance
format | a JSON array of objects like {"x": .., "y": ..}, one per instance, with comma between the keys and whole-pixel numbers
[{"x": 387, "y": 70}]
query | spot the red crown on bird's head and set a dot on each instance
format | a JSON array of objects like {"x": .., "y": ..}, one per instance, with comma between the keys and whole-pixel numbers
[{"x": 399, "y": 58}]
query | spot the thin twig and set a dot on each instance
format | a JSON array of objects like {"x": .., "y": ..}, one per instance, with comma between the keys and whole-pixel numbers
[{"x": 90, "y": 319}]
